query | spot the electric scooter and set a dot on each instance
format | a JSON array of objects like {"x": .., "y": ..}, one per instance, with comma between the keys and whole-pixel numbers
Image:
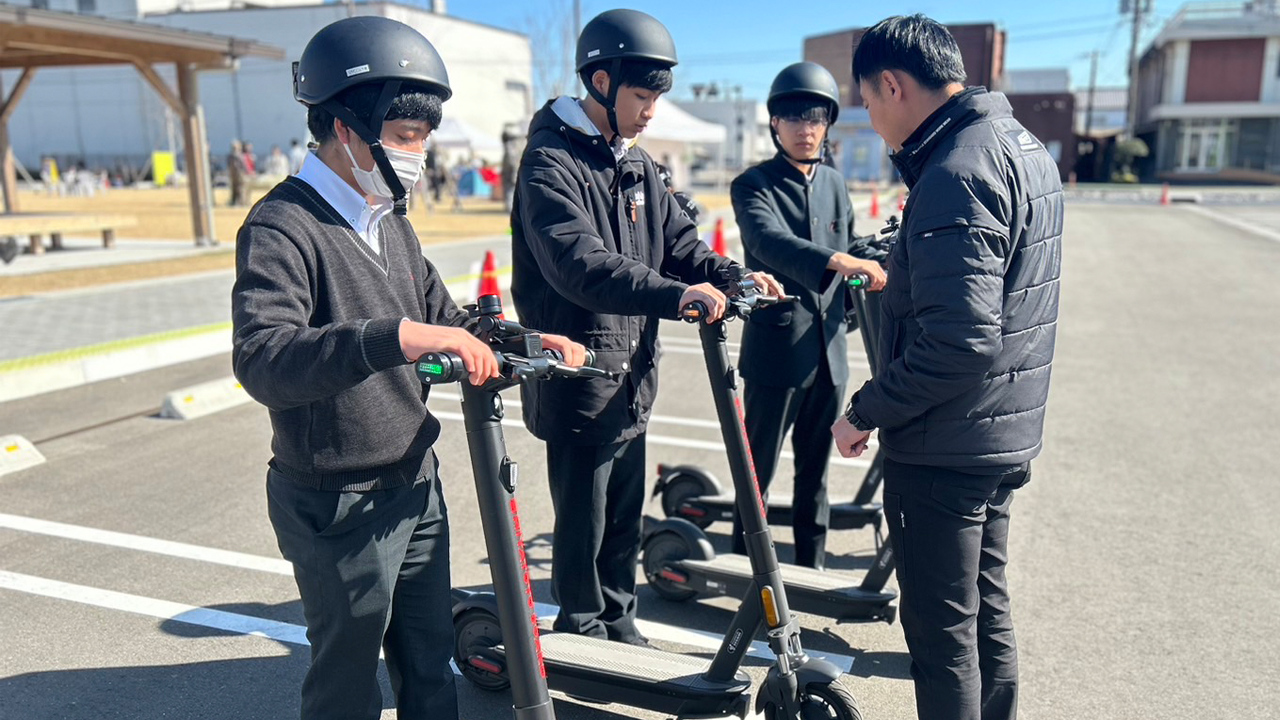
[
  {"x": 696, "y": 495},
  {"x": 497, "y": 639},
  {"x": 678, "y": 560}
]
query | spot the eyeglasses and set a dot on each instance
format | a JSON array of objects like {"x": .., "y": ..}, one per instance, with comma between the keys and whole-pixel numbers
[{"x": 796, "y": 122}]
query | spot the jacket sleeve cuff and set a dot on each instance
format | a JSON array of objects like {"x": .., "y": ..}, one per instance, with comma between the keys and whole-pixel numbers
[
  {"x": 668, "y": 301},
  {"x": 380, "y": 344}
]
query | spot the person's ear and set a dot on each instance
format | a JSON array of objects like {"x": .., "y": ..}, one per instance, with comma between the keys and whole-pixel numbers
[
  {"x": 890, "y": 87},
  {"x": 774, "y": 123},
  {"x": 600, "y": 80},
  {"x": 341, "y": 131}
]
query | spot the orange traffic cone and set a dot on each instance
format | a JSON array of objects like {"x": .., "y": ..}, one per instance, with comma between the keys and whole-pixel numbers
[
  {"x": 902, "y": 200},
  {"x": 717, "y": 240},
  {"x": 875, "y": 203},
  {"x": 489, "y": 277},
  {"x": 1164, "y": 194}
]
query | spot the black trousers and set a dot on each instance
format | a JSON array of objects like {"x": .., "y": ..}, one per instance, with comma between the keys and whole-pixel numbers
[
  {"x": 949, "y": 531},
  {"x": 808, "y": 412},
  {"x": 598, "y": 494},
  {"x": 373, "y": 573}
]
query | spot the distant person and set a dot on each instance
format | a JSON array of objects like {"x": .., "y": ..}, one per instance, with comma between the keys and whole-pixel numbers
[
  {"x": 250, "y": 160},
  {"x": 510, "y": 161},
  {"x": 967, "y": 336},
  {"x": 297, "y": 153},
  {"x": 277, "y": 163},
  {"x": 237, "y": 175}
]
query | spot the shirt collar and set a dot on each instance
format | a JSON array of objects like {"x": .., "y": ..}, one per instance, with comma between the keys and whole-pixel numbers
[
  {"x": 570, "y": 110},
  {"x": 351, "y": 205}
]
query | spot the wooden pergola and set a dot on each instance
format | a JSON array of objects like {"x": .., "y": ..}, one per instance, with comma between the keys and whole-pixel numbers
[{"x": 31, "y": 39}]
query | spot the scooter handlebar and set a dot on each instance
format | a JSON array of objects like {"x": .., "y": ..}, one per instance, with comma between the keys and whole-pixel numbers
[
  {"x": 859, "y": 281},
  {"x": 439, "y": 368}
]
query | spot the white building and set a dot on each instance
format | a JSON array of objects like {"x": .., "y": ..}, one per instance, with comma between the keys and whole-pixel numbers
[
  {"x": 747, "y": 125},
  {"x": 107, "y": 116}
]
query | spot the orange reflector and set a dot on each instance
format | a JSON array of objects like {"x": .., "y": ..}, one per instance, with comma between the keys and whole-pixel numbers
[{"x": 770, "y": 609}]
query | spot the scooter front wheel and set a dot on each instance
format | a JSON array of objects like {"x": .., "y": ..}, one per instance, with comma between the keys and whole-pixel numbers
[{"x": 821, "y": 701}]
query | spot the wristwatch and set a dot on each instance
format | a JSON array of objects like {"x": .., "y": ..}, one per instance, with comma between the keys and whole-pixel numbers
[{"x": 851, "y": 414}]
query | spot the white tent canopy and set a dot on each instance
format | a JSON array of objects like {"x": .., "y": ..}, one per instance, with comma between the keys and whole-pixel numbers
[
  {"x": 458, "y": 134},
  {"x": 674, "y": 138},
  {"x": 672, "y": 123}
]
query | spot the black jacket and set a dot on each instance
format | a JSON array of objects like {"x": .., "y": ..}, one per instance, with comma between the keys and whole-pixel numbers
[
  {"x": 600, "y": 252},
  {"x": 971, "y": 308},
  {"x": 791, "y": 226}
]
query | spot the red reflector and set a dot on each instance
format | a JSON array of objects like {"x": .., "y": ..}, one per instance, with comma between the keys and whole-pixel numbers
[
  {"x": 692, "y": 511},
  {"x": 484, "y": 664},
  {"x": 673, "y": 576}
]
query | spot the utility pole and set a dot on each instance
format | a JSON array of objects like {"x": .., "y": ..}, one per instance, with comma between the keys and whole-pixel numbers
[
  {"x": 1137, "y": 7},
  {"x": 1093, "y": 84}
]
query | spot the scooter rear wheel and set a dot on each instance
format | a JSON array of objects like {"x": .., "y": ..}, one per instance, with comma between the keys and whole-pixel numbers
[
  {"x": 659, "y": 550},
  {"x": 475, "y": 630},
  {"x": 680, "y": 488}
]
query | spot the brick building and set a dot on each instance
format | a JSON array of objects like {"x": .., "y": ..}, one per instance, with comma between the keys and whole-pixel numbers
[{"x": 1209, "y": 95}]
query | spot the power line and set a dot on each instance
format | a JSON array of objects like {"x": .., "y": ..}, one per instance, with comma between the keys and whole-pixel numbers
[{"x": 1060, "y": 34}]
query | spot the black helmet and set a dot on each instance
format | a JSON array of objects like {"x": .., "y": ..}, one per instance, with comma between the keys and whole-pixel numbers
[
  {"x": 625, "y": 35},
  {"x": 368, "y": 50},
  {"x": 806, "y": 79},
  {"x": 617, "y": 35}
]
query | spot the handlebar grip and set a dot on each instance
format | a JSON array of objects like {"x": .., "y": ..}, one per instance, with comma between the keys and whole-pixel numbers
[
  {"x": 438, "y": 368},
  {"x": 859, "y": 280},
  {"x": 693, "y": 312},
  {"x": 588, "y": 361}
]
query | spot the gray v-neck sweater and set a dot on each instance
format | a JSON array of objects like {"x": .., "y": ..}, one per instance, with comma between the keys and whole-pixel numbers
[{"x": 316, "y": 324}]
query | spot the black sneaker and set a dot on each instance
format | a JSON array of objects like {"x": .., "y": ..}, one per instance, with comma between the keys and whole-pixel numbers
[{"x": 638, "y": 641}]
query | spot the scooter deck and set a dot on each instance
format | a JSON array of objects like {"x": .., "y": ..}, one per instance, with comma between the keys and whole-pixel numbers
[
  {"x": 844, "y": 516},
  {"x": 637, "y": 676},
  {"x": 821, "y": 592}
]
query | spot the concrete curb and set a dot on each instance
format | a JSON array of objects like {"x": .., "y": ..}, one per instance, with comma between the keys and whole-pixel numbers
[
  {"x": 55, "y": 371},
  {"x": 17, "y": 453},
  {"x": 203, "y": 399}
]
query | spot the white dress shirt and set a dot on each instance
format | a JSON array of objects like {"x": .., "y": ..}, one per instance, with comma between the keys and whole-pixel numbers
[{"x": 345, "y": 200}]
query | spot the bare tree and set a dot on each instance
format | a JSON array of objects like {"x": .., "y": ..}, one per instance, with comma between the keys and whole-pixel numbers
[{"x": 550, "y": 26}]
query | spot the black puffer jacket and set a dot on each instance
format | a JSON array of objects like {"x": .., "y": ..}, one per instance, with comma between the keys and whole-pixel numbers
[
  {"x": 971, "y": 308},
  {"x": 600, "y": 252}
]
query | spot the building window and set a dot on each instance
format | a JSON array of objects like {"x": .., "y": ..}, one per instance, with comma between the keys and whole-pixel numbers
[
  {"x": 1204, "y": 145},
  {"x": 40, "y": 4}
]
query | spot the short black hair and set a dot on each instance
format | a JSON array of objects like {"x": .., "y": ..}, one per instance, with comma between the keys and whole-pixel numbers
[
  {"x": 413, "y": 102},
  {"x": 648, "y": 75},
  {"x": 915, "y": 44},
  {"x": 805, "y": 107}
]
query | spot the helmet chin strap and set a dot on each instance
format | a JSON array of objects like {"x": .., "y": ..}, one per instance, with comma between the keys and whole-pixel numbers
[
  {"x": 611, "y": 100},
  {"x": 372, "y": 136}
]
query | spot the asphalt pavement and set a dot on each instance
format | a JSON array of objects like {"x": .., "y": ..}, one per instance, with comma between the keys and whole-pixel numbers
[{"x": 139, "y": 577}]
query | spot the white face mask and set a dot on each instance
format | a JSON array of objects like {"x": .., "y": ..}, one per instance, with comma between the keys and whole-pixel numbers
[{"x": 407, "y": 166}]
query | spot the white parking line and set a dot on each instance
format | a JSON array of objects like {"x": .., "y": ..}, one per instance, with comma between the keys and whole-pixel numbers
[
  {"x": 716, "y": 447},
  {"x": 277, "y": 566},
  {"x": 151, "y": 607},
  {"x": 1235, "y": 222},
  {"x": 178, "y": 612}
]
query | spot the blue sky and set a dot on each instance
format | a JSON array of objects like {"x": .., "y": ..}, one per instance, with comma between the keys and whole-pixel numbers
[{"x": 746, "y": 42}]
